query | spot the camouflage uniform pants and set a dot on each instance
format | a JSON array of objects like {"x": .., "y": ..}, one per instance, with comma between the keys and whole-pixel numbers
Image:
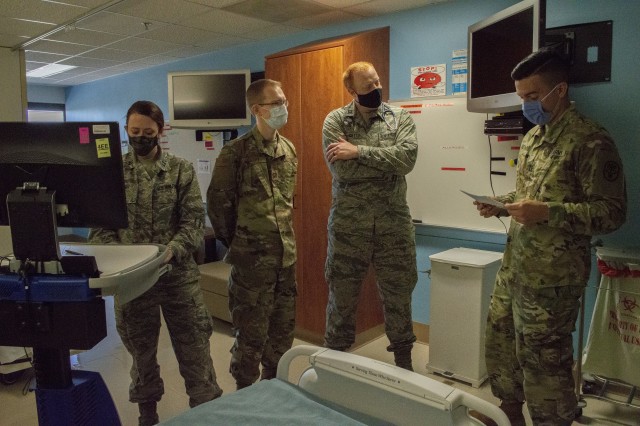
[
  {"x": 190, "y": 327},
  {"x": 529, "y": 349},
  {"x": 393, "y": 255},
  {"x": 262, "y": 303}
]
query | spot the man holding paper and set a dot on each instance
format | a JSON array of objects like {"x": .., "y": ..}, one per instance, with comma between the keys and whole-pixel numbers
[{"x": 569, "y": 187}]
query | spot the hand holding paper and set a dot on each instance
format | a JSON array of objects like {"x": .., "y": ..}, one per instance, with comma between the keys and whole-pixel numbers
[{"x": 485, "y": 200}]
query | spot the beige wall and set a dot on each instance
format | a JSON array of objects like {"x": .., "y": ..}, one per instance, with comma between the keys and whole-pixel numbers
[{"x": 13, "y": 85}]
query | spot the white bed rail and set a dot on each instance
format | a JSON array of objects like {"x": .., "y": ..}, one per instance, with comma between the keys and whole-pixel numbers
[{"x": 384, "y": 391}]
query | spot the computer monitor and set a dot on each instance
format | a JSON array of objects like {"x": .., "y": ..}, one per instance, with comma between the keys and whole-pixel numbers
[
  {"x": 496, "y": 45},
  {"x": 59, "y": 174},
  {"x": 209, "y": 99}
]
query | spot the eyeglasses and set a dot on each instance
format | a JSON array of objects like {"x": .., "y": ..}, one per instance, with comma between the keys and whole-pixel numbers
[{"x": 277, "y": 103}]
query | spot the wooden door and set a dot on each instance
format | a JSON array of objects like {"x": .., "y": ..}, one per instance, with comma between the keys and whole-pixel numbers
[{"x": 321, "y": 90}]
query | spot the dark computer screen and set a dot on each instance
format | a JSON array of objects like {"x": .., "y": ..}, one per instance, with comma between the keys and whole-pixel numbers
[
  {"x": 80, "y": 161},
  {"x": 496, "y": 45},
  {"x": 209, "y": 99}
]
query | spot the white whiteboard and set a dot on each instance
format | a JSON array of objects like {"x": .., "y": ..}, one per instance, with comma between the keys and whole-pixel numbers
[
  {"x": 202, "y": 154},
  {"x": 454, "y": 154}
]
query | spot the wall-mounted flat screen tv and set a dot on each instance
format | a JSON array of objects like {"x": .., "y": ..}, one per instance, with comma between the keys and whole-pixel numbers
[
  {"x": 496, "y": 45},
  {"x": 209, "y": 99}
]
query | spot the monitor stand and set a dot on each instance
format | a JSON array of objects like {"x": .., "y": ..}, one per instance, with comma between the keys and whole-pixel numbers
[{"x": 52, "y": 313}]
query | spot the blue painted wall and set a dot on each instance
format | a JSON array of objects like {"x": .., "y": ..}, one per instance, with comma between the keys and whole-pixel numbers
[{"x": 421, "y": 37}]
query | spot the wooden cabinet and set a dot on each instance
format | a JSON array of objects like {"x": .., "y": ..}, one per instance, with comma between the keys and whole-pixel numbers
[{"x": 311, "y": 77}]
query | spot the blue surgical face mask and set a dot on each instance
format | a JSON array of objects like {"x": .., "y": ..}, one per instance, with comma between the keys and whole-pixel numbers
[
  {"x": 277, "y": 117},
  {"x": 534, "y": 112}
]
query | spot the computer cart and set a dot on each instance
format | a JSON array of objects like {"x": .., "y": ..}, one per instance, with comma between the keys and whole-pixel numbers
[{"x": 608, "y": 367}]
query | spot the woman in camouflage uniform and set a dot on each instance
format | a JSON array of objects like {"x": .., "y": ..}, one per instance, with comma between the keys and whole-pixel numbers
[{"x": 164, "y": 207}]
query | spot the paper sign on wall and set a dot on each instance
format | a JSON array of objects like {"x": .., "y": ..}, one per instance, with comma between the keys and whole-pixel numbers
[
  {"x": 430, "y": 80},
  {"x": 459, "y": 71}
]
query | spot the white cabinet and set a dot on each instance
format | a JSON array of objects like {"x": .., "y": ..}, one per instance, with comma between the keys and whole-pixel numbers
[{"x": 462, "y": 280}]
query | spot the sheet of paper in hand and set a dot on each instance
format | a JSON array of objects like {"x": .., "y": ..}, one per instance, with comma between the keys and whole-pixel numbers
[{"x": 484, "y": 200}]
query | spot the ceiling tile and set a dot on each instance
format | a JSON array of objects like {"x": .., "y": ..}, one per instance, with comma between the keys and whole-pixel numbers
[
  {"x": 111, "y": 54},
  {"x": 170, "y": 11},
  {"x": 277, "y": 10},
  {"x": 80, "y": 61},
  {"x": 226, "y": 22},
  {"x": 90, "y": 4},
  {"x": 216, "y": 3},
  {"x": 36, "y": 10},
  {"x": 181, "y": 35},
  {"x": 89, "y": 37},
  {"x": 73, "y": 72},
  {"x": 21, "y": 27},
  {"x": 223, "y": 41},
  {"x": 144, "y": 45},
  {"x": 49, "y": 58},
  {"x": 118, "y": 24},
  {"x": 380, "y": 7},
  {"x": 329, "y": 18},
  {"x": 153, "y": 60},
  {"x": 272, "y": 31},
  {"x": 340, "y": 3},
  {"x": 58, "y": 47},
  {"x": 186, "y": 52}
]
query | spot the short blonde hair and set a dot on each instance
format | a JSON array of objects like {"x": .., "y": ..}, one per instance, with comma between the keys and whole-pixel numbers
[
  {"x": 347, "y": 76},
  {"x": 255, "y": 91}
]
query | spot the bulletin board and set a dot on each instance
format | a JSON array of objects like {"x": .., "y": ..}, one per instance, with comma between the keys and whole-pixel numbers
[
  {"x": 199, "y": 147},
  {"x": 454, "y": 154}
]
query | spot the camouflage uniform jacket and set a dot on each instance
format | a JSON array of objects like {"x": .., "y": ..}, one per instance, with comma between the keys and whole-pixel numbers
[
  {"x": 387, "y": 151},
  {"x": 250, "y": 201},
  {"x": 573, "y": 166},
  {"x": 164, "y": 209}
]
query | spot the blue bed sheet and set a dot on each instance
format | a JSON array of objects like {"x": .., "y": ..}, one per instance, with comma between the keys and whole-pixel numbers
[{"x": 271, "y": 402}]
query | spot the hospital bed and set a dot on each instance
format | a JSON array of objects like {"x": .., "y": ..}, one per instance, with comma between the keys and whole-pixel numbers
[{"x": 342, "y": 389}]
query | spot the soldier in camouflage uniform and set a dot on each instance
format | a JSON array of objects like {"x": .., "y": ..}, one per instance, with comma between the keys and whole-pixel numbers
[
  {"x": 250, "y": 204},
  {"x": 369, "y": 147},
  {"x": 569, "y": 186},
  {"x": 164, "y": 207}
]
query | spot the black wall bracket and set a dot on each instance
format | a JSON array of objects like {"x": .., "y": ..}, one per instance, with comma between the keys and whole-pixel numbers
[{"x": 587, "y": 47}]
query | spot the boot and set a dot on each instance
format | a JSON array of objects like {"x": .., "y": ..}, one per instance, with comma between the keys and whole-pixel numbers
[
  {"x": 148, "y": 413},
  {"x": 512, "y": 409},
  {"x": 402, "y": 358}
]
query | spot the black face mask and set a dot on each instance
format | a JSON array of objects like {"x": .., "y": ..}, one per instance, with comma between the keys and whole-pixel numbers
[
  {"x": 143, "y": 145},
  {"x": 373, "y": 99}
]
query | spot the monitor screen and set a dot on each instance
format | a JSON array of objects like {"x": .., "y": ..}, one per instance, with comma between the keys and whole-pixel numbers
[
  {"x": 496, "y": 45},
  {"x": 80, "y": 161},
  {"x": 209, "y": 99}
]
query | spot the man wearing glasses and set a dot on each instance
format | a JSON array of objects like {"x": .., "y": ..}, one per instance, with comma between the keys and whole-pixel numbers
[{"x": 250, "y": 204}]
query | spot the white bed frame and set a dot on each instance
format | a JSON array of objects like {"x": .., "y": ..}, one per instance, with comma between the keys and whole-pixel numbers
[{"x": 384, "y": 391}]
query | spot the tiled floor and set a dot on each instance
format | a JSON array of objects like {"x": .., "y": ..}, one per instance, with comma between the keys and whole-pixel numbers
[{"x": 111, "y": 360}]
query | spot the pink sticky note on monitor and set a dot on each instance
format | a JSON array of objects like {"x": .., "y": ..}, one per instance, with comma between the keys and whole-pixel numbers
[{"x": 83, "y": 133}]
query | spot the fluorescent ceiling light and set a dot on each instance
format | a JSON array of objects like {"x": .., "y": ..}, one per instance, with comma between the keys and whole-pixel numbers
[{"x": 49, "y": 70}]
